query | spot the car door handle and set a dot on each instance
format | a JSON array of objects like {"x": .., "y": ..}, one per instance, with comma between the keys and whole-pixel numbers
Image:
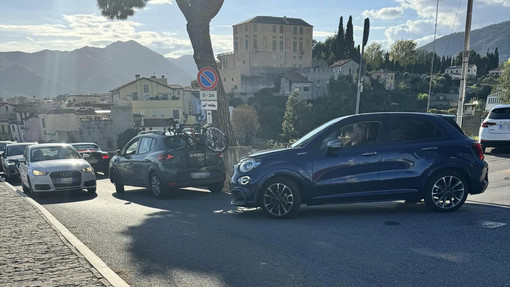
[
  {"x": 429, "y": 148},
  {"x": 369, "y": 153}
]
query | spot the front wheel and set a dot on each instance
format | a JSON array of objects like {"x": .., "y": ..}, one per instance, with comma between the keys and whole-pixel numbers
[
  {"x": 119, "y": 186},
  {"x": 26, "y": 189},
  {"x": 281, "y": 198},
  {"x": 91, "y": 190},
  {"x": 446, "y": 191},
  {"x": 215, "y": 139},
  {"x": 214, "y": 188}
]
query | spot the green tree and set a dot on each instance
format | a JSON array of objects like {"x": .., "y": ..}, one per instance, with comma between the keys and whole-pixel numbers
[
  {"x": 296, "y": 119},
  {"x": 340, "y": 40},
  {"x": 245, "y": 123},
  {"x": 349, "y": 40},
  {"x": 403, "y": 52},
  {"x": 374, "y": 56},
  {"x": 198, "y": 14},
  {"x": 503, "y": 86}
]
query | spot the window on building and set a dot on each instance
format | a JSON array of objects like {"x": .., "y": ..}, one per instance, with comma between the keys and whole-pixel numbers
[
  {"x": 281, "y": 45},
  {"x": 145, "y": 88},
  {"x": 295, "y": 30},
  {"x": 134, "y": 96},
  {"x": 254, "y": 27},
  {"x": 175, "y": 114},
  {"x": 255, "y": 46},
  {"x": 274, "y": 45},
  {"x": 274, "y": 28},
  {"x": 301, "y": 30},
  {"x": 294, "y": 46},
  {"x": 236, "y": 46},
  {"x": 307, "y": 45},
  {"x": 281, "y": 28},
  {"x": 306, "y": 89},
  {"x": 300, "y": 46},
  {"x": 246, "y": 44},
  {"x": 7, "y": 108}
]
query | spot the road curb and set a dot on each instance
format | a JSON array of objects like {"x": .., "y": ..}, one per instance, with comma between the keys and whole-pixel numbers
[{"x": 92, "y": 258}]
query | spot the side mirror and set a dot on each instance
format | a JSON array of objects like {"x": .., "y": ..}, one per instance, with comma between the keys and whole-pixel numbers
[{"x": 332, "y": 146}]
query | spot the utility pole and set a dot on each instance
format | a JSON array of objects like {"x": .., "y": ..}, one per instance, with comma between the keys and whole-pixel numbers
[
  {"x": 465, "y": 62},
  {"x": 433, "y": 57},
  {"x": 366, "y": 30}
]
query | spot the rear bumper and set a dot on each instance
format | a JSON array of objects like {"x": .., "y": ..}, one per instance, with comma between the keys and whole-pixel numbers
[
  {"x": 494, "y": 143},
  {"x": 480, "y": 180}
]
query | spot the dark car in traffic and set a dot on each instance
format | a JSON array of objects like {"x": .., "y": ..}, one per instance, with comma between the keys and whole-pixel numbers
[
  {"x": 12, "y": 154},
  {"x": 92, "y": 153},
  {"x": 159, "y": 161},
  {"x": 365, "y": 157}
]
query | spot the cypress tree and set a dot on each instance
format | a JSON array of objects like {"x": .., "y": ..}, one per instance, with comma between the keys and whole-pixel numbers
[
  {"x": 340, "y": 41},
  {"x": 349, "y": 40}
]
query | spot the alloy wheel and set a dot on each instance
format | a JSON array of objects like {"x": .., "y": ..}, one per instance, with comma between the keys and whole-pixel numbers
[
  {"x": 448, "y": 192},
  {"x": 155, "y": 185},
  {"x": 278, "y": 199}
]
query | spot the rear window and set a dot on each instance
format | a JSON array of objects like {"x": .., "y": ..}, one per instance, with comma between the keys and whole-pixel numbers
[
  {"x": 84, "y": 147},
  {"x": 500, "y": 114},
  {"x": 174, "y": 142},
  {"x": 452, "y": 122}
]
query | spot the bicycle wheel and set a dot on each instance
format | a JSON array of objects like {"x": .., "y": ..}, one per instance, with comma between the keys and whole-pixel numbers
[{"x": 215, "y": 139}]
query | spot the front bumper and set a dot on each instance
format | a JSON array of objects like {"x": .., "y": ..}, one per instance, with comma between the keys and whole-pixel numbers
[
  {"x": 47, "y": 184},
  {"x": 11, "y": 171},
  {"x": 243, "y": 194}
]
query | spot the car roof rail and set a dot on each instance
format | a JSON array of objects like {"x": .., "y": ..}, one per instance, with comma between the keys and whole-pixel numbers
[{"x": 154, "y": 132}]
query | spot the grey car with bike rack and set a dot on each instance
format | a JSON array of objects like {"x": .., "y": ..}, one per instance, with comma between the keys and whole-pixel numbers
[{"x": 165, "y": 160}]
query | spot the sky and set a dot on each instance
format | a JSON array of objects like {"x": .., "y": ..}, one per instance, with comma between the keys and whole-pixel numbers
[{"x": 65, "y": 25}]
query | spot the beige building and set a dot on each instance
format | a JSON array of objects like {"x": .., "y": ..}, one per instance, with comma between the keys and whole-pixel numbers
[
  {"x": 291, "y": 82},
  {"x": 266, "y": 43},
  {"x": 153, "y": 98},
  {"x": 385, "y": 77},
  {"x": 346, "y": 67}
]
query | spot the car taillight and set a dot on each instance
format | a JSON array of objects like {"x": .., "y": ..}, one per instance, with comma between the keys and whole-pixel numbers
[
  {"x": 165, "y": 156},
  {"x": 477, "y": 148},
  {"x": 487, "y": 124},
  {"x": 105, "y": 156}
]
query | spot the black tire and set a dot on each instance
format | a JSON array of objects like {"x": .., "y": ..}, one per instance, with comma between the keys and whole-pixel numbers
[
  {"x": 156, "y": 185},
  {"x": 483, "y": 148},
  {"x": 106, "y": 172},
  {"x": 119, "y": 186},
  {"x": 280, "y": 198},
  {"x": 26, "y": 189},
  {"x": 91, "y": 190},
  {"x": 215, "y": 139},
  {"x": 446, "y": 191},
  {"x": 215, "y": 188}
]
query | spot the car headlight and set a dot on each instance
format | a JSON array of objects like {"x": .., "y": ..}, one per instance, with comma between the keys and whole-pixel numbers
[
  {"x": 10, "y": 162},
  {"x": 39, "y": 173},
  {"x": 87, "y": 169},
  {"x": 248, "y": 165}
]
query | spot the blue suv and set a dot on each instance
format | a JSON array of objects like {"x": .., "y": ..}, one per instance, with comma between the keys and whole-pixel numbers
[{"x": 365, "y": 157}]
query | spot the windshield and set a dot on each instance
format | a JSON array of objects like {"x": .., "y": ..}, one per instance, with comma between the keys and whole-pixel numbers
[
  {"x": 53, "y": 153},
  {"x": 311, "y": 135},
  {"x": 86, "y": 147},
  {"x": 15, "y": 150},
  {"x": 2, "y": 146}
]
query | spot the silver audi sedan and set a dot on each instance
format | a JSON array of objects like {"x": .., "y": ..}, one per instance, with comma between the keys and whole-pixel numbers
[{"x": 55, "y": 167}]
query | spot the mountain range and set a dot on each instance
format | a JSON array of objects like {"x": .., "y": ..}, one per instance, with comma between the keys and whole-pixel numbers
[
  {"x": 482, "y": 40},
  {"x": 87, "y": 70}
]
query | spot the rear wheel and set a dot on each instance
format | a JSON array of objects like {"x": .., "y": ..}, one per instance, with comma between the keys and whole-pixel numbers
[
  {"x": 446, "y": 191},
  {"x": 281, "y": 198},
  {"x": 215, "y": 139},
  {"x": 483, "y": 148},
  {"x": 119, "y": 186},
  {"x": 155, "y": 185}
]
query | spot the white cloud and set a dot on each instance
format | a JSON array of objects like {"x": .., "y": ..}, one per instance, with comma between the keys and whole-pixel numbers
[
  {"x": 387, "y": 13},
  {"x": 409, "y": 30},
  {"x": 505, "y": 3}
]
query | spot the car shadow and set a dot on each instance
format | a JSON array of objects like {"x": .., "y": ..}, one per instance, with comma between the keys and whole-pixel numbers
[
  {"x": 57, "y": 197},
  {"x": 500, "y": 152}
]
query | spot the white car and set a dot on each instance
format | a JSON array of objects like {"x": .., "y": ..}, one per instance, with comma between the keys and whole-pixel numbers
[
  {"x": 495, "y": 129},
  {"x": 55, "y": 167}
]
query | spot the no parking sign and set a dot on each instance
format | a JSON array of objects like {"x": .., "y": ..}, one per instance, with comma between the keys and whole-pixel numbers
[{"x": 207, "y": 78}]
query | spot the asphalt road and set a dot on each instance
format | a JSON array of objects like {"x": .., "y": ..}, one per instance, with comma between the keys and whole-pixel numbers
[{"x": 195, "y": 238}]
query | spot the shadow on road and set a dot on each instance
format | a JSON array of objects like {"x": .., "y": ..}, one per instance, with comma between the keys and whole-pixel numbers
[
  {"x": 196, "y": 235},
  {"x": 500, "y": 152}
]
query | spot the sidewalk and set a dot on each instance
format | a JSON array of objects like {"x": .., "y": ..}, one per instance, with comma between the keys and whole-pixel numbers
[{"x": 33, "y": 252}]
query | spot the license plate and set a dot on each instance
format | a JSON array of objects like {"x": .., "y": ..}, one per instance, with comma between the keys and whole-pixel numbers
[
  {"x": 86, "y": 155},
  {"x": 200, "y": 174},
  {"x": 66, "y": 180}
]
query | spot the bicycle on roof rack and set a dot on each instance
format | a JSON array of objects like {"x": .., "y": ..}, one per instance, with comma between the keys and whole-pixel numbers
[{"x": 214, "y": 138}]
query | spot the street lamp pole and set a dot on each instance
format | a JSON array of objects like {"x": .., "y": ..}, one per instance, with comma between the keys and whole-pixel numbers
[
  {"x": 366, "y": 30},
  {"x": 465, "y": 62}
]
